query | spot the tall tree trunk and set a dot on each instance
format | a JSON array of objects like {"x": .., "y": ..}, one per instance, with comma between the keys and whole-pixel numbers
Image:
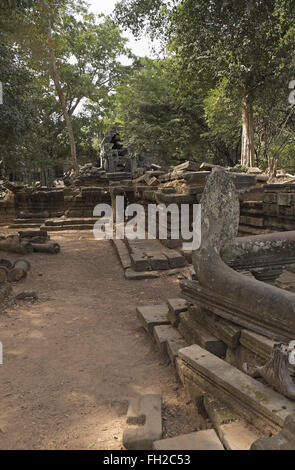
[
  {"x": 62, "y": 100},
  {"x": 57, "y": 83},
  {"x": 248, "y": 154}
]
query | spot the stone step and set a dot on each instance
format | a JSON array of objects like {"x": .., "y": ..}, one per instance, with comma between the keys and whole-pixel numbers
[
  {"x": 164, "y": 335},
  {"x": 255, "y": 402},
  {"x": 152, "y": 315},
  {"x": 201, "y": 440},
  {"x": 234, "y": 433},
  {"x": 176, "y": 306},
  {"x": 193, "y": 333}
]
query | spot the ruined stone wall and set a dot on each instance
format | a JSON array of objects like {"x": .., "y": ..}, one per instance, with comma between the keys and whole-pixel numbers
[
  {"x": 39, "y": 203},
  {"x": 279, "y": 207},
  {"x": 7, "y": 209}
]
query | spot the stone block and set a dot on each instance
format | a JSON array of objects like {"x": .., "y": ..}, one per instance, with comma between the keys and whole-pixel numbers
[
  {"x": 176, "y": 306},
  {"x": 165, "y": 334},
  {"x": 173, "y": 347},
  {"x": 152, "y": 315},
  {"x": 144, "y": 419},
  {"x": 194, "y": 333},
  {"x": 201, "y": 440},
  {"x": 270, "y": 198},
  {"x": 159, "y": 261},
  {"x": 284, "y": 199},
  {"x": 139, "y": 263},
  {"x": 234, "y": 433}
]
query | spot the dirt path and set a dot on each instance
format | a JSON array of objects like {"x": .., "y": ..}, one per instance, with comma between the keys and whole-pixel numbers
[{"x": 73, "y": 359}]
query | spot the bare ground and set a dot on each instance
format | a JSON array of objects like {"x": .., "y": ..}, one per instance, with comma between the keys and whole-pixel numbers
[{"x": 73, "y": 359}]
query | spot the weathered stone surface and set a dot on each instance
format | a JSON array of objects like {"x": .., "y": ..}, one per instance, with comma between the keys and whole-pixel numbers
[
  {"x": 139, "y": 262},
  {"x": 285, "y": 440},
  {"x": 144, "y": 419},
  {"x": 159, "y": 261},
  {"x": 233, "y": 432},
  {"x": 132, "y": 275},
  {"x": 5, "y": 292},
  {"x": 258, "y": 404},
  {"x": 274, "y": 314},
  {"x": 201, "y": 440},
  {"x": 226, "y": 331},
  {"x": 176, "y": 260},
  {"x": 173, "y": 346},
  {"x": 152, "y": 315},
  {"x": 220, "y": 215},
  {"x": 194, "y": 333},
  {"x": 122, "y": 253},
  {"x": 176, "y": 306},
  {"x": 165, "y": 334}
]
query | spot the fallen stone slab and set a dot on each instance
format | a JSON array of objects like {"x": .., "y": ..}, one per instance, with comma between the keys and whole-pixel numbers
[
  {"x": 192, "y": 332},
  {"x": 152, "y": 315},
  {"x": 176, "y": 306},
  {"x": 165, "y": 334},
  {"x": 234, "y": 433},
  {"x": 201, "y": 440},
  {"x": 123, "y": 253},
  {"x": 144, "y": 420},
  {"x": 257, "y": 403}
]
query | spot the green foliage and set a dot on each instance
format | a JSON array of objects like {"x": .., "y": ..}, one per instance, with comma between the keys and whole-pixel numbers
[
  {"x": 231, "y": 50},
  {"x": 87, "y": 48},
  {"x": 154, "y": 117}
]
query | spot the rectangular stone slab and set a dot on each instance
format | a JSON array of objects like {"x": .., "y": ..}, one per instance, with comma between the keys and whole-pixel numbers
[
  {"x": 122, "y": 253},
  {"x": 173, "y": 347},
  {"x": 201, "y": 440},
  {"x": 144, "y": 419},
  {"x": 139, "y": 263},
  {"x": 256, "y": 403},
  {"x": 176, "y": 306},
  {"x": 164, "y": 334},
  {"x": 152, "y": 315}
]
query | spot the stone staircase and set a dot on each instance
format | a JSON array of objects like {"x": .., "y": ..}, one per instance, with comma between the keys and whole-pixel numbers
[{"x": 208, "y": 356}]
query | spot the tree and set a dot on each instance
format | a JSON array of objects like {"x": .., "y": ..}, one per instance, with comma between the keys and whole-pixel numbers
[
  {"x": 245, "y": 43},
  {"x": 153, "y": 116},
  {"x": 79, "y": 55}
]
